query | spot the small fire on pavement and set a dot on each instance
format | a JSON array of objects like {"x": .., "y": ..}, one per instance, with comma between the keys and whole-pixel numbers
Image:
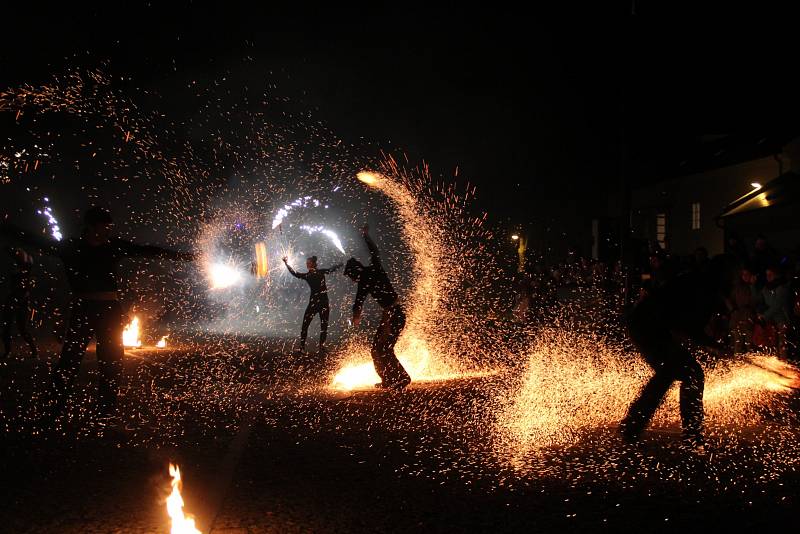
[
  {"x": 181, "y": 524},
  {"x": 131, "y": 335}
]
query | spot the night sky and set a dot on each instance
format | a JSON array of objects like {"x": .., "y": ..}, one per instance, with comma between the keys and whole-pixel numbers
[{"x": 543, "y": 111}]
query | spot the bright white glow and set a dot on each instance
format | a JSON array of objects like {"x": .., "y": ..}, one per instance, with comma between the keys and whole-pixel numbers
[
  {"x": 301, "y": 202},
  {"x": 515, "y": 237},
  {"x": 224, "y": 275},
  {"x": 369, "y": 178},
  {"x": 756, "y": 185},
  {"x": 330, "y": 233},
  {"x": 52, "y": 223}
]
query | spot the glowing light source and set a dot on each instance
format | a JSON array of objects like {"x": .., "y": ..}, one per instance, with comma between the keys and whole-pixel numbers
[
  {"x": 756, "y": 185},
  {"x": 368, "y": 178},
  {"x": 131, "y": 335},
  {"x": 262, "y": 263},
  {"x": 162, "y": 343},
  {"x": 301, "y": 202},
  {"x": 52, "y": 223},
  {"x": 224, "y": 275},
  {"x": 330, "y": 233},
  {"x": 181, "y": 524},
  {"x": 515, "y": 237}
]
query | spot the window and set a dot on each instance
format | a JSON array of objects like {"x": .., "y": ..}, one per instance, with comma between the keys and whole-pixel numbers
[
  {"x": 695, "y": 215},
  {"x": 661, "y": 230}
]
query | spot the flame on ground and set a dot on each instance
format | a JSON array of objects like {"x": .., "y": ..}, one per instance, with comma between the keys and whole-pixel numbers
[
  {"x": 358, "y": 371},
  {"x": 162, "y": 343},
  {"x": 131, "y": 335},
  {"x": 181, "y": 524}
]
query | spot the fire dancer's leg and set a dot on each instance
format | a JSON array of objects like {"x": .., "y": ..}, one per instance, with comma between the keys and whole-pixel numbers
[
  {"x": 78, "y": 335},
  {"x": 658, "y": 349},
  {"x": 324, "y": 315},
  {"x": 692, "y": 384},
  {"x": 307, "y": 317},
  {"x": 388, "y": 366},
  {"x": 377, "y": 350},
  {"x": 110, "y": 324}
]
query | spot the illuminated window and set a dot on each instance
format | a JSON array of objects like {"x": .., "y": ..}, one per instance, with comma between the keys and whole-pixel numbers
[
  {"x": 661, "y": 229},
  {"x": 695, "y": 216}
]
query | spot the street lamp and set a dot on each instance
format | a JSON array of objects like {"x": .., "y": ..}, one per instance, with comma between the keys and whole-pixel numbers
[
  {"x": 515, "y": 237},
  {"x": 756, "y": 185}
]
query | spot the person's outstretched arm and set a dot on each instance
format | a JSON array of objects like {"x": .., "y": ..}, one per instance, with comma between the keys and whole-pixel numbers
[
  {"x": 333, "y": 269},
  {"x": 151, "y": 251},
  {"x": 375, "y": 257},
  {"x": 47, "y": 246},
  {"x": 292, "y": 271}
]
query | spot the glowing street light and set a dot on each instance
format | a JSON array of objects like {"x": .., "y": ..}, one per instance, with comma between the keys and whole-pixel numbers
[
  {"x": 515, "y": 237},
  {"x": 756, "y": 185}
]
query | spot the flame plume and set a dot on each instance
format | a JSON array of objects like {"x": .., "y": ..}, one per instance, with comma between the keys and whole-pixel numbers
[{"x": 180, "y": 523}]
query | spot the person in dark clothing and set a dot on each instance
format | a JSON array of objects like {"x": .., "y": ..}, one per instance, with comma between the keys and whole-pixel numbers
[
  {"x": 91, "y": 263},
  {"x": 763, "y": 257},
  {"x": 661, "y": 326},
  {"x": 17, "y": 308},
  {"x": 318, "y": 300},
  {"x": 372, "y": 280}
]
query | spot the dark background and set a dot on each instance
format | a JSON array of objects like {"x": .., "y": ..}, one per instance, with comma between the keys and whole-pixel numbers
[{"x": 549, "y": 112}]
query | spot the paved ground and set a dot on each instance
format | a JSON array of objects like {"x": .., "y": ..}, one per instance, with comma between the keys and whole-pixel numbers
[{"x": 265, "y": 448}]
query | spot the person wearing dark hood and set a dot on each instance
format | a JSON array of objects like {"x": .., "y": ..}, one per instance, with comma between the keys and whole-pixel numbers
[
  {"x": 664, "y": 326},
  {"x": 318, "y": 300},
  {"x": 372, "y": 280},
  {"x": 91, "y": 263},
  {"x": 17, "y": 308}
]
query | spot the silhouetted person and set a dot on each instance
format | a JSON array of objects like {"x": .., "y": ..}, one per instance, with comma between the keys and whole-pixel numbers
[
  {"x": 91, "y": 264},
  {"x": 763, "y": 257},
  {"x": 318, "y": 300},
  {"x": 661, "y": 325},
  {"x": 17, "y": 307},
  {"x": 372, "y": 280}
]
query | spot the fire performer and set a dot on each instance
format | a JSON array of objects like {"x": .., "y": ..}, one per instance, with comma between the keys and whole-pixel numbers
[
  {"x": 91, "y": 264},
  {"x": 663, "y": 326},
  {"x": 17, "y": 308},
  {"x": 317, "y": 301},
  {"x": 372, "y": 280}
]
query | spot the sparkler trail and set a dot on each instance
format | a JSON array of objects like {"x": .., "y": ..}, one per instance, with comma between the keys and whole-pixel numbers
[
  {"x": 329, "y": 233},
  {"x": 434, "y": 344}
]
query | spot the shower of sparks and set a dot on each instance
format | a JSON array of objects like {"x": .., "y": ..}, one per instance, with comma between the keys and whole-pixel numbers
[
  {"x": 434, "y": 343},
  {"x": 329, "y": 233},
  {"x": 575, "y": 386},
  {"x": 302, "y": 202},
  {"x": 181, "y": 524},
  {"x": 47, "y": 212}
]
